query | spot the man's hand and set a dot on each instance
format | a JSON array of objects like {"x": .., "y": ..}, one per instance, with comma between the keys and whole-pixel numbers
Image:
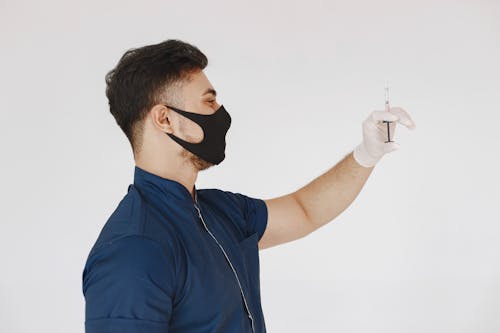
[{"x": 373, "y": 146}]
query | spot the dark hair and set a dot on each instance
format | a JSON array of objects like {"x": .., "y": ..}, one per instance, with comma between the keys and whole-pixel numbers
[{"x": 146, "y": 76}]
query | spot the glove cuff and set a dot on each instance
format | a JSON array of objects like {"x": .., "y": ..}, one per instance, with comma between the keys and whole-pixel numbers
[{"x": 362, "y": 156}]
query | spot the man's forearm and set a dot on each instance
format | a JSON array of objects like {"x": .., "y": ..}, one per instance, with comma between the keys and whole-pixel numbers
[{"x": 330, "y": 194}]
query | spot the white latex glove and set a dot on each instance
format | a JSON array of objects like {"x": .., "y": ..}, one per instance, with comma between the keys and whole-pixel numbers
[{"x": 373, "y": 145}]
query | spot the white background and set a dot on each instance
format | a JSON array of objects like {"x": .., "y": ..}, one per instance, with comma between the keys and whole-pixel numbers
[{"x": 417, "y": 251}]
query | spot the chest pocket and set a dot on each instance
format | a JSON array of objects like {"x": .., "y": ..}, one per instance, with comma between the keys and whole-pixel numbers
[{"x": 250, "y": 255}]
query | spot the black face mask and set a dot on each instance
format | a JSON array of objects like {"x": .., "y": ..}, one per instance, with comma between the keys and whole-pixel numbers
[{"x": 214, "y": 126}]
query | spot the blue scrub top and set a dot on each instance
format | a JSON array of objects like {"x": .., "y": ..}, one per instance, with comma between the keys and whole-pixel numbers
[{"x": 155, "y": 267}]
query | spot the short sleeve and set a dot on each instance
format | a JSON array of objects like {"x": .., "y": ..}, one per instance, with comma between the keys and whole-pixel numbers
[
  {"x": 129, "y": 285},
  {"x": 254, "y": 211}
]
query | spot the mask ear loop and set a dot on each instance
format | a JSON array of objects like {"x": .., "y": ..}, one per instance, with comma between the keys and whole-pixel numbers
[
  {"x": 195, "y": 117},
  {"x": 187, "y": 114},
  {"x": 183, "y": 112}
]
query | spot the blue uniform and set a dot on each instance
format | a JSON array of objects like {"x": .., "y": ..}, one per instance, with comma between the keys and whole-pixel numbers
[{"x": 165, "y": 263}]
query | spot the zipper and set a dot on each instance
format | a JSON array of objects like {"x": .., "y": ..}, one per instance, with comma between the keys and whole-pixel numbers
[{"x": 230, "y": 264}]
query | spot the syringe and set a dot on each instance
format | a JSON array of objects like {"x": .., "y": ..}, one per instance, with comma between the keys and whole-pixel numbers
[{"x": 387, "y": 108}]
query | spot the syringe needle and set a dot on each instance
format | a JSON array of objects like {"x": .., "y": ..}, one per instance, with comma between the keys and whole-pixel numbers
[
  {"x": 387, "y": 108},
  {"x": 386, "y": 96}
]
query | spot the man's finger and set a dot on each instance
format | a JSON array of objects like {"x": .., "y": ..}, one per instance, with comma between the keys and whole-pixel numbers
[
  {"x": 378, "y": 115},
  {"x": 404, "y": 117}
]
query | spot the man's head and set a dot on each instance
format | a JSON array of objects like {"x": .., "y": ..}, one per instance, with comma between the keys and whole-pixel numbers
[{"x": 150, "y": 77}]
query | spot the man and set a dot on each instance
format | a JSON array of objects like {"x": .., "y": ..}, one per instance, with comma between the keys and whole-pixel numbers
[{"x": 174, "y": 258}]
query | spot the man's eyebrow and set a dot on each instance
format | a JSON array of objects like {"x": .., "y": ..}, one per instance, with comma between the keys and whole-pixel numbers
[{"x": 210, "y": 91}]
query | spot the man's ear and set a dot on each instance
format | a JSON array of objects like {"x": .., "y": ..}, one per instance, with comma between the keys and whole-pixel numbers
[{"x": 161, "y": 118}]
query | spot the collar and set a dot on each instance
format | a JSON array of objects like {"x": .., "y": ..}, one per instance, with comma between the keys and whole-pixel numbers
[{"x": 147, "y": 180}]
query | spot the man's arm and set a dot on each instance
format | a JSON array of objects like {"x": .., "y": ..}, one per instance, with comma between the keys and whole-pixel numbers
[
  {"x": 129, "y": 285},
  {"x": 297, "y": 214}
]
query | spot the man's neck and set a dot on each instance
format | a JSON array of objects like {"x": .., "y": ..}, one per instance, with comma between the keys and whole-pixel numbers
[{"x": 183, "y": 174}]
